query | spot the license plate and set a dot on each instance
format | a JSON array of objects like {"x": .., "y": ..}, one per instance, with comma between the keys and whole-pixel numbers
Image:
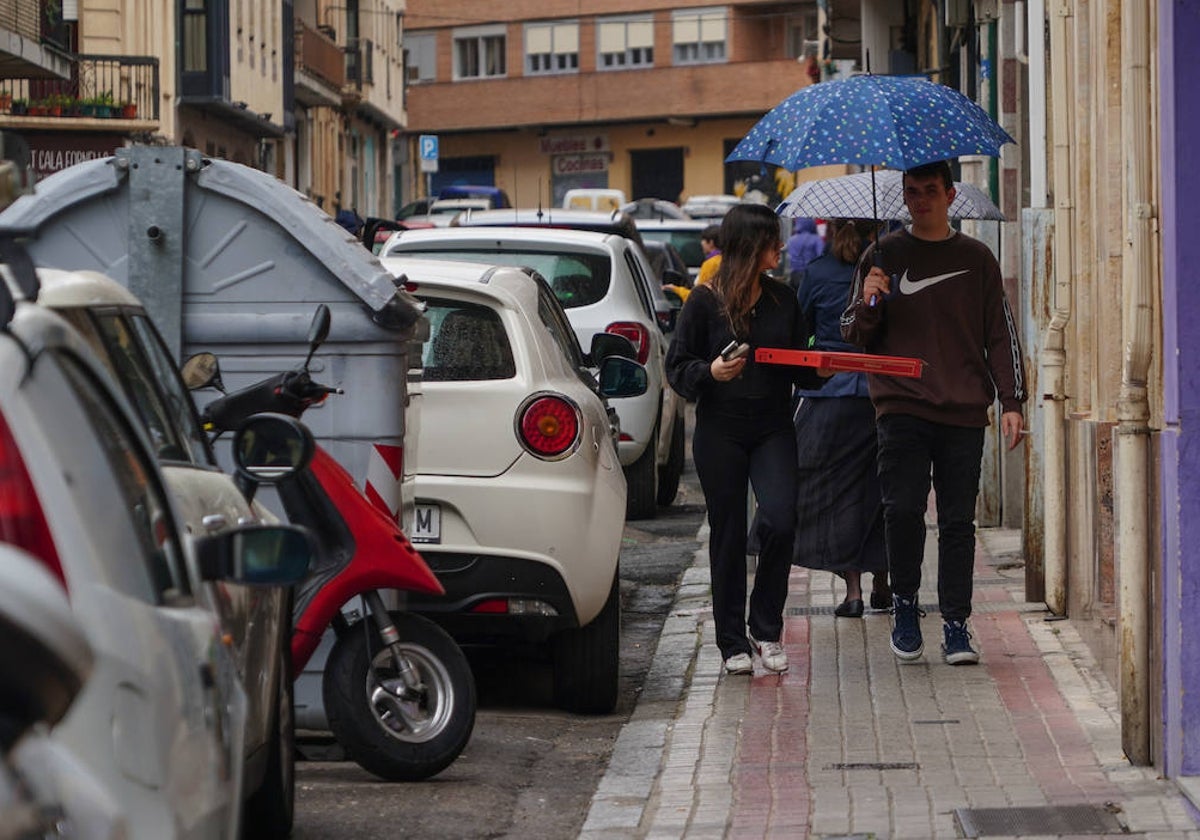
[{"x": 427, "y": 524}]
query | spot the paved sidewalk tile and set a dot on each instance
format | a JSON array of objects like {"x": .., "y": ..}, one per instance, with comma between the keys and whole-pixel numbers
[{"x": 851, "y": 743}]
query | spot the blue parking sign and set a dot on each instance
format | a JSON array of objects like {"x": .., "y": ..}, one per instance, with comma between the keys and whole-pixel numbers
[{"x": 427, "y": 145}]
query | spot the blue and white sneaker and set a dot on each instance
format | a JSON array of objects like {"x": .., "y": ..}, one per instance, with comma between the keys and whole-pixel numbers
[{"x": 957, "y": 648}]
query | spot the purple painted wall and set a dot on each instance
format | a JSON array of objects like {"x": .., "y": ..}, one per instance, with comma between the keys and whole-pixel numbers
[{"x": 1179, "y": 32}]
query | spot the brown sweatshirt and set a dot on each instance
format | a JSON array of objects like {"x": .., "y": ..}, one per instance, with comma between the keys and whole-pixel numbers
[{"x": 947, "y": 307}]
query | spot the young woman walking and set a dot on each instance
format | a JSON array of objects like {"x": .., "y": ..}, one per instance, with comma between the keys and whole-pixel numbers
[{"x": 744, "y": 436}]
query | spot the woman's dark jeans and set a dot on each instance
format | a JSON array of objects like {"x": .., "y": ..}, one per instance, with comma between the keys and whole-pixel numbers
[
  {"x": 729, "y": 451},
  {"x": 909, "y": 450}
]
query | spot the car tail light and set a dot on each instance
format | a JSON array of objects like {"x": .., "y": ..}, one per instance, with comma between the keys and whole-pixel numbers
[
  {"x": 548, "y": 426},
  {"x": 636, "y": 333},
  {"x": 22, "y": 522}
]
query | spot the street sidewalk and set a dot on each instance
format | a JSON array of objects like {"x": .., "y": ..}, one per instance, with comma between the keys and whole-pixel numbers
[{"x": 849, "y": 743}]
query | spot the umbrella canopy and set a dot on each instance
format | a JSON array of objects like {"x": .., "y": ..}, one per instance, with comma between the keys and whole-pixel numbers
[
  {"x": 850, "y": 197},
  {"x": 894, "y": 121}
]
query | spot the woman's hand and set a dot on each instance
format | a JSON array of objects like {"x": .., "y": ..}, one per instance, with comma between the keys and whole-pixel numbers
[{"x": 723, "y": 371}]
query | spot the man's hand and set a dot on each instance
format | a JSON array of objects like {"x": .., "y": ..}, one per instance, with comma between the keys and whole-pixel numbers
[
  {"x": 876, "y": 284},
  {"x": 1011, "y": 424},
  {"x": 723, "y": 371}
]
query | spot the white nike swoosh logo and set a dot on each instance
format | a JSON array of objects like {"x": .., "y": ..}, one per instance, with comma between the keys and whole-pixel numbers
[{"x": 911, "y": 287}]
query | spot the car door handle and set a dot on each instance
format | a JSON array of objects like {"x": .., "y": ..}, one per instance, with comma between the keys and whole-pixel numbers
[{"x": 214, "y": 521}]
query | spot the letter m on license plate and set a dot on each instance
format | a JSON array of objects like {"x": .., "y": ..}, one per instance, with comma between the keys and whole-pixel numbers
[{"x": 427, "y": 524}]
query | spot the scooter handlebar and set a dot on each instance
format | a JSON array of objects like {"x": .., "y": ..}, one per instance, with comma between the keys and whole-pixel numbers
[{"x": 291, "y": 393}]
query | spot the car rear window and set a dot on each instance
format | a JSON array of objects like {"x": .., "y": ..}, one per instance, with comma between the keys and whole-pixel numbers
[
  {"x": 467, "y": 342},
  {"x": 575, "y": 279},
  {"x": 686, "y": 242}
]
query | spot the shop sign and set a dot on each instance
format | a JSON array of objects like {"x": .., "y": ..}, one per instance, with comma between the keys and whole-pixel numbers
[
  {"x": 573, "y": 144},
  {"x": 49, "y": 153},
  {"x": 575, "y": 164}
]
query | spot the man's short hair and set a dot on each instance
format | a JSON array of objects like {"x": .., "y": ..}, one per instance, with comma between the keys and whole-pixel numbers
[
  {"x": 712, "y": 233},
  {"x": 936, "y": 169}
]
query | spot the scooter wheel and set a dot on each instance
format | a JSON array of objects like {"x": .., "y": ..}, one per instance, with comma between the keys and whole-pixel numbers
[{"x": 400, "y": 738}]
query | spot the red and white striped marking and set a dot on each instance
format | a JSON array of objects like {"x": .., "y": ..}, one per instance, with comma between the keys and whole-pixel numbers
[{"x": 385, "y": 469}]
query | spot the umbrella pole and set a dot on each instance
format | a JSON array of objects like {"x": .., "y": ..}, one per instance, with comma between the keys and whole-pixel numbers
[{"x": 878, "y": 239}]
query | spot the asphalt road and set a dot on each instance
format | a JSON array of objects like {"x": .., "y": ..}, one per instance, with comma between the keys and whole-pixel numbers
[{"x": 530, "y": 770}]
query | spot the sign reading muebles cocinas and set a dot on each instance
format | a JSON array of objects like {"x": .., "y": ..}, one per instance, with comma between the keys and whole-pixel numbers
[{"x": 49, "y": 153}]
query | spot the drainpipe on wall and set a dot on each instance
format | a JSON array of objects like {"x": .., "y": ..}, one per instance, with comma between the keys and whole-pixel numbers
[
  {"x": 1054, "y": 356},
  {"x": 1132, "y": 489}
]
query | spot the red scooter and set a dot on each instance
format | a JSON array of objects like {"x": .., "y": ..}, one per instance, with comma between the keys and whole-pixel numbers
[{"x": 398, "y": 692}]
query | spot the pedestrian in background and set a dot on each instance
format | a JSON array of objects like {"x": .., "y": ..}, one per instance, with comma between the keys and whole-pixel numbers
[
  {"x": 710, "y": 244},
  {"x": 839, "y": 517},
  {"x": 803, "y": 246},
  {"x": 939, "y": 297},
  {"x": 743, "y": 433}
]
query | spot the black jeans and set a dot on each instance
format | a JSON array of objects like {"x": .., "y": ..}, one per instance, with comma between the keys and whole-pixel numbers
[
  {"x": 733, "y": 451},
  {"x": 909, "y": 449}
]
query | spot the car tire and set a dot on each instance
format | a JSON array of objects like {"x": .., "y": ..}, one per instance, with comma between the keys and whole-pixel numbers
[
  {"x": 641, "y": 481},
  {"x": 668, "y": 478},
  {"x": 271, "y": 810},
  {"x": 587, "y": 661}
]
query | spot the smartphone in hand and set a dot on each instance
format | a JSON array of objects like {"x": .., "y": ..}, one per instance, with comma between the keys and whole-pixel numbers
[{"x": 734, "y": 350}]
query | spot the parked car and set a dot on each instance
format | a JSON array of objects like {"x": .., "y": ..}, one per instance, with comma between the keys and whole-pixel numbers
[
  {"x": 593, "y": 198},
  {"x": 709, "y": 208},
  {"x": 604, "y": 283},
  {"x": 520, "y": 501},
  {"x": 684, "y": 234},
  {"x": 654, "y": 208},
  {"x": 123, "y": 340},
  {"x": 668, "y": 264},
  {"x": 162, "y": 720}
]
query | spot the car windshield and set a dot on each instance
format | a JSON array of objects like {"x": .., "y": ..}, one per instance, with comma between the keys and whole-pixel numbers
[
  {"x": 686, "y": 242},
  {"x": 575, "y": 279},
  {"x": 467, "y": 342}
]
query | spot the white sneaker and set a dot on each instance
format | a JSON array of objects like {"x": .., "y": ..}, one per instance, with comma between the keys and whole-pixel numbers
[
  {"x": 739, "y": 663},
  {"x": 772, "y": 654}
]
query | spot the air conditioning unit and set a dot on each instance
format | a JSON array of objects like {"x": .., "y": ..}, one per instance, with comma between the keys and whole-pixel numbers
[{"x": 957, "y": 12}]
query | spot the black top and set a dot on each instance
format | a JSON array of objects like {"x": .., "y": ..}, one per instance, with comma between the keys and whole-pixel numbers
[{"x": 703, "y": 330}]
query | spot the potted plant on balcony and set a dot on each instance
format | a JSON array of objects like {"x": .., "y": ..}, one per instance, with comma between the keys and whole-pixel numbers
[
  {"x": 128, "y": 110},
  {"x": 5, "y": 101},
  {"x": 99, "y": 106},
  {"x": 20, "y": 107},
  {"x": 38, "y": 108}
]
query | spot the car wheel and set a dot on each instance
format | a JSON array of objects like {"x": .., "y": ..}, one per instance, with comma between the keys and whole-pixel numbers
[
  {"x": 587, "y": 661},
  {"x": 271, "y": 809},
  {"x": 641, "y": 480},
  {"x": 668, "y": 479}
]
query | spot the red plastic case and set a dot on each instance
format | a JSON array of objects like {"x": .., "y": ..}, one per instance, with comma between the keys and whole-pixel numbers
[{"x": 854, "y": 362}]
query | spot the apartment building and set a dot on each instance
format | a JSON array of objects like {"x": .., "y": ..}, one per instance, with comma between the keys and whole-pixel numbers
[{"x": 647, "y": 97}]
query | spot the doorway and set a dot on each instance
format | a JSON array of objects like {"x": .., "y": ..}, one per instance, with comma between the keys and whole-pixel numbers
[{"x": 657, "y": 173}]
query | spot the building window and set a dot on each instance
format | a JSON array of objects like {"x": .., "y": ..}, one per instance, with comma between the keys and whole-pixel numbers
[
  {"x": 479, "y": 53},
  {"x": 195, "y": 36},
  {"x": 625, "y": 42},
  {"x": 802, "y": 37},
  {"x": 698, "y": 35},
  {"x": 420, "y": 57},
  {"x": 552, "y": 48}
]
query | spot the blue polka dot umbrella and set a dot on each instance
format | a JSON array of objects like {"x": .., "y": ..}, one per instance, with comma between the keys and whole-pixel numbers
[{"x": 896, "y": 122}]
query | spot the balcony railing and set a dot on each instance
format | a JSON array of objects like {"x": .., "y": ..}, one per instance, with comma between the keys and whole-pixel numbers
[
  {"x": 319, "y": 55},
  {"x": 118, "y": 86},
  {"x": 360, "y": 62}
]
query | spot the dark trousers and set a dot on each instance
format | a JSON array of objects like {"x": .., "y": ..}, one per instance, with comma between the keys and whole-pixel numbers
[
  {"x": 910, "y": 451},
  {"x": 732, "y": 451}
]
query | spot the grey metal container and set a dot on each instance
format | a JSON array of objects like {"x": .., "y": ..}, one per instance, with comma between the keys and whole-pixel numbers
[{"x": 229, "y": 259}]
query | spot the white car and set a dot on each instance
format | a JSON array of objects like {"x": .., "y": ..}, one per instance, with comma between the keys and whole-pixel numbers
[
  {"x": 684, "y": 234},
  {"x": 603, "y": 282},
  {"x": 520, "y": 498},
  {"x": 161, "y": 721},
  {"x": 121, "y": 337}
]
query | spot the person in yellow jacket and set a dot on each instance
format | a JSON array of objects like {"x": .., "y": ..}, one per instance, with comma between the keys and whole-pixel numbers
[{"x": 710, "y": 243}]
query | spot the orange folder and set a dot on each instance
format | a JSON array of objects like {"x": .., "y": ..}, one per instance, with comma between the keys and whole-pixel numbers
[{"x": 854, "y": 362}]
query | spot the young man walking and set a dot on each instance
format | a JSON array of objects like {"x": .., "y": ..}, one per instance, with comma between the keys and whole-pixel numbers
[{"x": 937, "y": 295}]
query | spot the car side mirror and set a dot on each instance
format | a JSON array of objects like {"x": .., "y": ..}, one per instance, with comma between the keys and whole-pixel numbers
[
  {"x": 270, "y": 448},
  {"x": 672, "y": 276},
  {"x": 621, "y": 377},
  {"x": 674, "y": 298},
  {"x": 257, "y": 555},
  {"x": 201, "y": 371},
  {"x": 606, "y": 344}
]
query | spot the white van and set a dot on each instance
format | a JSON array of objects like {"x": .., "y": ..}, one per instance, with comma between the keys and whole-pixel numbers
[{"x": 594, "y": 198}]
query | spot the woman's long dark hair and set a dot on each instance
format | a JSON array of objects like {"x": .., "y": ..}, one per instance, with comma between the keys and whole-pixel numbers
[{"x": 747, "y": 232}]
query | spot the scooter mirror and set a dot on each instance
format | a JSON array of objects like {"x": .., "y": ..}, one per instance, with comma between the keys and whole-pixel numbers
[
  {"x": 200, "y": 371},
  {"x": 317, "y": 332},
  {"x": 270, "y": 448}
]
